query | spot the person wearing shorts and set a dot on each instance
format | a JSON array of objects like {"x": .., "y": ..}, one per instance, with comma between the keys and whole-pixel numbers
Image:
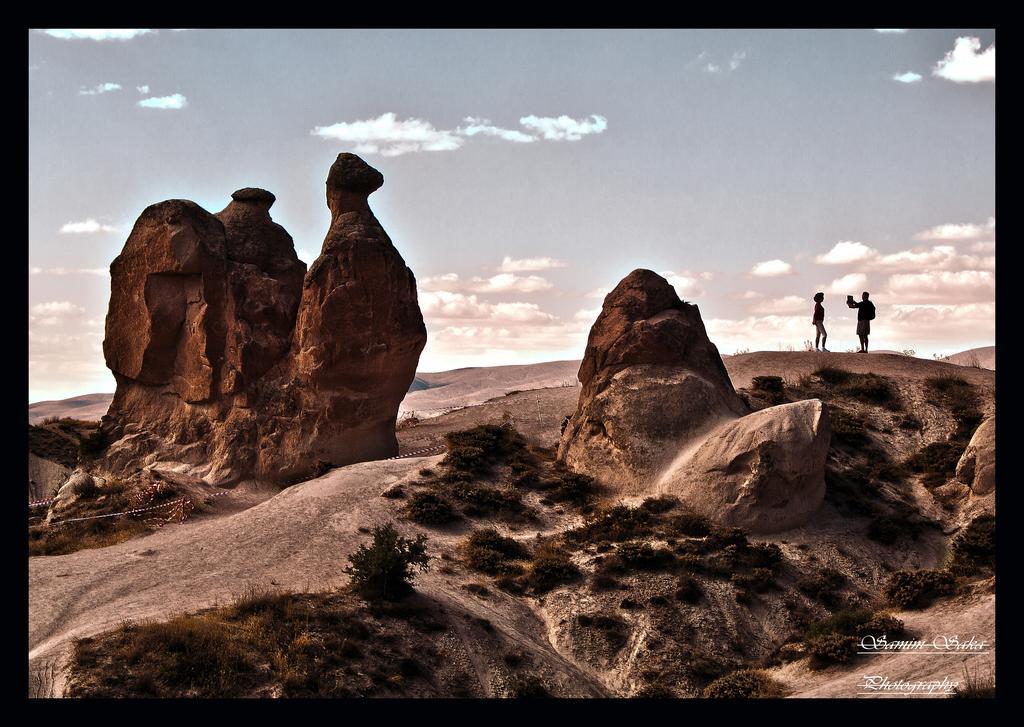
[{"x": 865, "y": 314}]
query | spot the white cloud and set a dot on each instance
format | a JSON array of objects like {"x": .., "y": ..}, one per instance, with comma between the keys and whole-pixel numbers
[
  {"x": 771, "y": 269},
  {"x": 101, "y": 88},
  {"x": 500, "y": 283},
  {"x": 787, "y": 304},
  {"x": 172, "y": 102},
  {"x": 587, "y": 314},
  {"x": 945, "y": 286},
  {"x": 964, "y": 64},
  {"x": 687, "y": 284},
  {"x": 142, "y": 89},
  {"x": 86, "y": 226},
  {"x": 98, "y": 34},
  {"x": 446, "y": 305},
  {"x": 484, "y": 127},
  {"x": 564, "y": 128},
  {"x": 68, "y": 271},
  {"x": 963, "y": 231},
  {"x": 851, "y": 284},
  {"x": 751, "y": 295},
  {"x": 846, "y": 251},
  {"x": 736, "y": 60},
  {"x": 891, "y": 30},
  {"x": 598, "y": 293},
  {"x": 908, "y": 77},
  {"x": 521, "y": 265},
  {"x": 986, "y": 246},
  {"x": 57, "y": 307},
  {"x": 507, "y": 282},
  {"x": 388, "y": 136}
]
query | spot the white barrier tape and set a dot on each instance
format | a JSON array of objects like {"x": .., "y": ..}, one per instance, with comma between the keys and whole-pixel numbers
[
  {"x": 181, "y": 501},
  {"x": 419, "y": 452},
  {"x": 40, "y": 503}
]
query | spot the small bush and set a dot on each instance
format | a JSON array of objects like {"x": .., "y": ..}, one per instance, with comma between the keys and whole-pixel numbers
[
  {"x": 936, "y": 462},
  {"x": 571, "y": 487},
  {"x": 870, "y": 388},
  {"x": 642, "y": 556},
  {"x": 690, "y": 524},
  {"x": 823, "y": 586},
  {"x": 487, "y": 551},
  {"x": 427, "y": 508},
  {"x": 528, "y": 686},
  {"x": 833, "y": 376},
  {"x": 551, "y": 567},
  {"x": 744, "y": 684},
  {"x": 974, "y": 550},
  {"x": 832, "y": 649},
  {"x": 613, "y": 524},
  {"x": 385, "y": 568},
  {"x": 660, "y": 504},
  {"x": 688, "y": 590},
  {"x": 758, "y": 580},
  {"x": 918, "y": 589}
]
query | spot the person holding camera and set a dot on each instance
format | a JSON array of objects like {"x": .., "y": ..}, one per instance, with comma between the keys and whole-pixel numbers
[{"x": 865, "y": 314}]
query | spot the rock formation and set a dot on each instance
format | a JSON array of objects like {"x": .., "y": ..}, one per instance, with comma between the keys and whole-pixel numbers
[
  {"x": 977, "y": 465},
  {"x": 652, "y": 381},
  {"x": 764, "y": 472},
  {"x": 229, "y": 357}
]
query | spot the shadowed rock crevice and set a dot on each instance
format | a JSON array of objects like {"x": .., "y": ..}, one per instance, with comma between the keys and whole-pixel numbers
[{"x": 234, "y": 362}]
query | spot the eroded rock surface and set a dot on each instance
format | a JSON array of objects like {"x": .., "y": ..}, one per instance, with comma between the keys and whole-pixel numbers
[
  {"x": 652, "y": 381},
  {"x": 977, "y": 465},
  {"x": 764, "y": 472},
  {"x": 231, "y": 358}
]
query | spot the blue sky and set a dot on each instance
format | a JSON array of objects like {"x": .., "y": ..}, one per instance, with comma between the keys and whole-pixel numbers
[{"x": 526, "y": 172}]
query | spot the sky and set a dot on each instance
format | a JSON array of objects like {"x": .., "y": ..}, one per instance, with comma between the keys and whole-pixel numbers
[{"x": 527, "y": 172}]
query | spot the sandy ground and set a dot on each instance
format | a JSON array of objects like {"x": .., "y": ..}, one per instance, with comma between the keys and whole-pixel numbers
[
  {"x": 963, "y": 617},
  {"x": 296, "y": 540}
]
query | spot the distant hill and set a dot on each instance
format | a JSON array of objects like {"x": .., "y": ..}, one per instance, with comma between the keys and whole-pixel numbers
[
  {"x": 89, "y": 407},
  {"x": 430, "y": 393},
  {"x": 984, "y": 357}
]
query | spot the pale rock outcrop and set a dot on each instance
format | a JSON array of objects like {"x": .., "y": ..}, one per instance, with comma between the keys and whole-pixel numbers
[
  {"x": 652, "y": 381},
  {"x": 977, "y": 465},
  {"x": 763, "y": 472}
]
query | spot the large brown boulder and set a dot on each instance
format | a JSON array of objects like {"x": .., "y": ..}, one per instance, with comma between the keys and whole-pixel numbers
[
  {"x": 977, "y": 465},
  {"x": 229, "y": 357},
  {"x": 763, "y": 472},
  {"x": 652, "y": 382}
]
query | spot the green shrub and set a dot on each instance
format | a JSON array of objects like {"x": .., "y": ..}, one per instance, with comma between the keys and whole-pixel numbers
[
  {"x": 744, "y": 684},
  {"x": 918, "y": 589},
  {"x": 385, "y": 568},
  {"x": 613, "y": 524},
  {"x": 427, "y": 508},
  {"x": 483, "y": 500}
]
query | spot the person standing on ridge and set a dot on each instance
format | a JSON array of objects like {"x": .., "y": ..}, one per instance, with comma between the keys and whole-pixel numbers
[
  {"x": 818, "y": 321},
  {"x": 865, "y": 314}
]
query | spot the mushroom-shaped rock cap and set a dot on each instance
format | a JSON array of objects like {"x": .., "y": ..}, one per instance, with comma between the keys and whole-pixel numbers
[
  {"x": 254, "y": 194},
  {"x": 352, "y": 174}
]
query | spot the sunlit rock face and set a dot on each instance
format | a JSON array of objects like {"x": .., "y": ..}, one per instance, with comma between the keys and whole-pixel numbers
[{"x": 233, "y": 360}]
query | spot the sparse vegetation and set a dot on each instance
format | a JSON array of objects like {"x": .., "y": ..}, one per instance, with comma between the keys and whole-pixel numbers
[
  {"x": 428, "y": 508},
  {"x": 268, "y": 644},
  {"x": 836, "y": 639},
  {"x": 744, "y": 684},
  {"x": 385, "y": 569},
  {"x": 824, "y": 586},
  {"x": 918, "y": 589},
  {"x": 976, "y": 685},
  {"x": 487, "y": 551},
  {"x": 551, "y": 567},
  {"x": 973, "y": 551},
  {"x": 770, "y": 388}
]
